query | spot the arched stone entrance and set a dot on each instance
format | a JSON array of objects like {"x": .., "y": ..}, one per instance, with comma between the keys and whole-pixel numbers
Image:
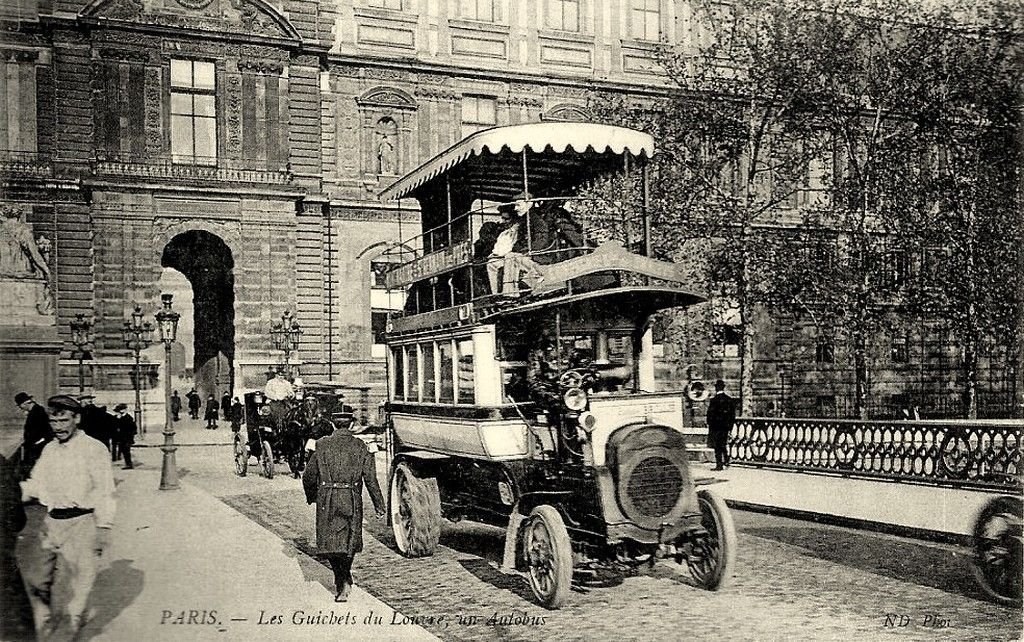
[{"x": 208, "y": 264}]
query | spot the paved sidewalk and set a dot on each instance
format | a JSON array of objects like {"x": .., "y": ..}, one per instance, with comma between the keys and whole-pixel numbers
[
  {"x": 183, "y": 565},
  {"x": 187, "y": 432}
]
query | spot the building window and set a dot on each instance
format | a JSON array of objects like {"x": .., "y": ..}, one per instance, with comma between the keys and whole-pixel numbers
[
  {"x": 564, "y": 15},
  {"x": 18, "y": 121},
  {"x": 478, "y": 112},
  {"x": 900, "y": 349},
  {"x": 482, "y": 10},
  {"x": 727, "y": 339},
  {"x": 394, "y": 5},
  {"x": 193, "y": 112},
  {"x": 825, "y": 350},
  {"x": 645, "y": 19}
]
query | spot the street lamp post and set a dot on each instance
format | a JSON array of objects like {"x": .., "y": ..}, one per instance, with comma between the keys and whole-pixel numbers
[
  {"x": 167, "y": 321},
  {"x": 137, "y": 337},
  {"x": 80, "y": 338},
  {"x": 286, "y": 335}
]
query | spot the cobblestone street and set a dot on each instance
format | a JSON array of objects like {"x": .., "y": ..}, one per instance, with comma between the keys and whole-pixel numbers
[{"x": 794, "y": 579}]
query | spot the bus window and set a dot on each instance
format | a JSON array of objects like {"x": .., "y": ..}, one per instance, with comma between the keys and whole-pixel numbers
[
  {"x": 429, "y": 381},
  {"x": 446, "y": 372},
  {"x": 412, "y": 360},
  {"x": 464, "y": 350},
  {"x": 399, "y": 364}
]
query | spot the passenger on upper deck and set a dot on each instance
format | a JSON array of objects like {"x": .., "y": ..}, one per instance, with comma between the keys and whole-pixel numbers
[{"x": 505, "y": 245}]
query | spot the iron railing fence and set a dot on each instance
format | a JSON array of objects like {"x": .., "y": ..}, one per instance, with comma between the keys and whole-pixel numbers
[{"x": 983, "y": 454}]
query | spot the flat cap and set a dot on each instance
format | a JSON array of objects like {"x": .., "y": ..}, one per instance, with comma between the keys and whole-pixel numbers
[
  {"x": 21, "y": 398},
  {"x": 64, "y": 402},
  {"x": 121, "y": 406}
]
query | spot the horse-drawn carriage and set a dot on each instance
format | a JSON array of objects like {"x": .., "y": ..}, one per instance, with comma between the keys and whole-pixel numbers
[{"x": 284, "y": 430}]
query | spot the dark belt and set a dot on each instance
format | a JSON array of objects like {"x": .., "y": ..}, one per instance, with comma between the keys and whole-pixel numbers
[
  {"x": 337, "y": 485},
  {"x": 68, "y": 513}
]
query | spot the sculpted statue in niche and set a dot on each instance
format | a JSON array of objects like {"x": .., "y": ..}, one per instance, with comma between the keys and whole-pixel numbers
[
  {"x": 386, "y": 137},
  {"x": 23, "y": 266}
]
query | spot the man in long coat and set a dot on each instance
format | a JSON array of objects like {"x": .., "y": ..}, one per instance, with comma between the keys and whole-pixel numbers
[
  {"x": 721, "y": 417},
  {"x": 334, "y": 479}
]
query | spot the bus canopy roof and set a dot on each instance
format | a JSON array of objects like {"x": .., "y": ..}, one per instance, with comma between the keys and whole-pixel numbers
[{"x": 557, "y": 150}]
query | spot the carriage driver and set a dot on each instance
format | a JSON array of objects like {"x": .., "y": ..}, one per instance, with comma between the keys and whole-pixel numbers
[{"x": 278, "y": 391}]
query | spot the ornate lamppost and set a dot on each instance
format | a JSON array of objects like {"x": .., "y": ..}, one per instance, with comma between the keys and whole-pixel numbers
[
  {"x": 137, "y": 337},
  {"x": 286, "y": 335},
  {"x": 81, "y": 339},
  {"x": 167, "y": 321}
]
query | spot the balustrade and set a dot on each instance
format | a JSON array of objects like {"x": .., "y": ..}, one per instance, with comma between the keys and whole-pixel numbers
[
  {"x": 982, "y": 454},
  {"x": 192, "y": 168}
]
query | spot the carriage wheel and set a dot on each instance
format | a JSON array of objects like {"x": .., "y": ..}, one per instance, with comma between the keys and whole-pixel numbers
[
  {"x": 267, "y": 460},
  {"x": 998, "y": 549},
  {"x": 241, "y": 456},
  {"x": 713, "y": 556},
  {"x": 415, "y": 512},
  {"x": 548, "y": 553}
]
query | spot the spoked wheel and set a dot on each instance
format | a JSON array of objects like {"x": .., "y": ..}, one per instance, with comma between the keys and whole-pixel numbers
[
  {"x": 997, "y": 549},
  {"x": 241, "y": 457},
  {"x": 548, "y": 553},
  {"x": 713, "y": 556},
  {"x": 415, "y": 512},
  {"x": 267, "y": 460}
]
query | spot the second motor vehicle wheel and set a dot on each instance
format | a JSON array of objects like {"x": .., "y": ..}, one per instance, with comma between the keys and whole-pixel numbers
[
  {"x": 999, "y": 548},
  {"x": 415, "y": 512},
  {"x": 548, "y": 553},
  {"x": 713, "y": 556},
  {"x": 267, "y": 460},
  {"x": 241, "y": 457}
]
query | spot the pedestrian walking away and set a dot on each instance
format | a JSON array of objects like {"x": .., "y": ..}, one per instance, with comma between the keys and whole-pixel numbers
[
  {"x": 36, "y": 434},
  {"x": 211, "y": 412},
  {"x": 237, "y": 415},
  {"x": 334, "y": 481},
  {"x": 194, "y": 403},
  {"x": 96, "y": 421},
  {"x": 175, "y": 406},
  {"x": 721, "y": 417},
  {"x": 124, "y": 432},
  {"x": 73, "y": 480},
  {"x": 225, "y": 406}
]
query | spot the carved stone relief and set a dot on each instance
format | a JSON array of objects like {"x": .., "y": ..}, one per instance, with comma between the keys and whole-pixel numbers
[{"x": 154, "y": 111}]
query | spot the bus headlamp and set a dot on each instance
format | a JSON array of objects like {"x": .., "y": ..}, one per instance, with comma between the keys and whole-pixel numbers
[{"x": 575, "y": 399}]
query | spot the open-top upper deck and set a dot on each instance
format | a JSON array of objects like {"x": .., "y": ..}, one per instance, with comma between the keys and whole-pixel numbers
[{"x": 509, "y": 216}]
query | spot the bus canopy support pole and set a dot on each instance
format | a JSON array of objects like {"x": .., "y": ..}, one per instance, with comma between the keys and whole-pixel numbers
[
  {"x": 526, "y": 193},
  {"x": 647, "y": 209},
  {"x": 625, "y": 217},
  {"x": 448, "y": 203}
]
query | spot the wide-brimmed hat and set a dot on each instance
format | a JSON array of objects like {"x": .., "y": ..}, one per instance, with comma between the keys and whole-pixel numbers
[
  {"x": 21, "y": 398},
  {"x": 121, "y": 406}
]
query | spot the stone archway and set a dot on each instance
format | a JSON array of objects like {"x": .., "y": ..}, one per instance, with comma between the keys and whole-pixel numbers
[{"x": 208, "y": 264}]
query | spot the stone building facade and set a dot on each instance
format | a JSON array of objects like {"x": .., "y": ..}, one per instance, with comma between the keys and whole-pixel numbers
[{"x": 243, "y": 142}]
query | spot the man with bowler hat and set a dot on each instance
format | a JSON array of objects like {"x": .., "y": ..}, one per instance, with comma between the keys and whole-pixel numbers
[
  {"x": 175, "y": 406},
  {"x": 721, "y": 417},
  {"x": 124, "y": 432},
  {"x": 73, "y": 480},
  {"x": 37, "y": 432},
  {"x": 334, "y": 480}
]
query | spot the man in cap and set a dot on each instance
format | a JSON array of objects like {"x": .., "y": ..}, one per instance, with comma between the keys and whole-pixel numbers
[
  {"x": 124, "y": 433},
  {"x": 334, "y": 480},
  {"x": 507, "y": 255},
  {"x": 37, "y": 432},
  {"x": 73, "y": 480}
]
